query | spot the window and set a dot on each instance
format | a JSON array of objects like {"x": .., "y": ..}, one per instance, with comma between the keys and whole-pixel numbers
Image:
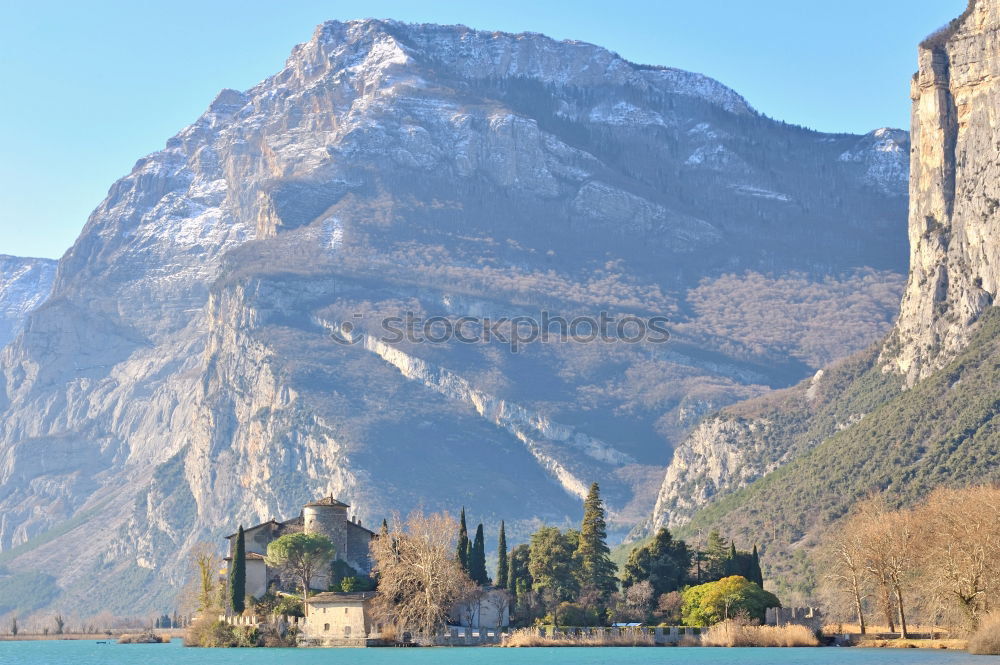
[
  {"x": 347, "y": 631},
  {"x": 326, "y": 627},
  {"x": 345, "y": 610}
]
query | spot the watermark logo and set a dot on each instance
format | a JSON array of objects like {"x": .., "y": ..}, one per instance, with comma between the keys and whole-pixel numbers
[{"x": 515, "y": 332}]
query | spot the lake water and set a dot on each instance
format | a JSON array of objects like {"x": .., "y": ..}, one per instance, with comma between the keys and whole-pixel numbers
[{"x": 68, "y": 652}]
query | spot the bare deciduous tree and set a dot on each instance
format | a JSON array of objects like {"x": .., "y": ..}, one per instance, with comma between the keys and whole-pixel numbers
[
  {"x": 419, "y": 578},
  {"x": 889, "y": 538},
  {"x": 472, "y": 605},
  {"x": 941, "y": 557},
  {"x": 960, "y": 547},
  {"x": 846, "y": 558},
  {"x": 501, "y": 602},
  {"x": 201, "y": 592}
]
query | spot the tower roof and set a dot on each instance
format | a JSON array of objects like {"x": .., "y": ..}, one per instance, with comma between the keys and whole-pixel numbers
[{"x": 327, "y": 501}]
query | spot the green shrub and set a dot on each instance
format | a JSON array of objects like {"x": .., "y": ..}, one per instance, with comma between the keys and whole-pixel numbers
[
  {"x": 356, "y": 583},
  {"x": 289, "y": 606},
  {"x": 708, "y": 604},
  {"x": 576, "y": 614},
  {"x": 209, "y": 632},
  {"x": 339, "y": 571}
]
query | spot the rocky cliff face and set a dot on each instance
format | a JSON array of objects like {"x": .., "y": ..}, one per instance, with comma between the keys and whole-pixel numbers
[
  {"x": 954, "y": 193},
  {"x": 182, "y": 377},
  {"x": 954, "y": 201},
  {"x": 24, "y": 285}
]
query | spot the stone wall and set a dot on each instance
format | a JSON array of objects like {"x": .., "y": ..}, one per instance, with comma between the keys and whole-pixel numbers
[
  {"x": 256, "y": 577},
  {"x": 357, "y": 548},
  {"x": 800, "y": 616}
]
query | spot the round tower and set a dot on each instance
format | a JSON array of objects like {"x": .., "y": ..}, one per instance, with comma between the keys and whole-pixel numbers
[{"x": 327, "y": 517}]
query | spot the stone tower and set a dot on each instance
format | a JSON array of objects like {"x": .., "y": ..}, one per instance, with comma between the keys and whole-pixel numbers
[{"x": 328, "y": 517}]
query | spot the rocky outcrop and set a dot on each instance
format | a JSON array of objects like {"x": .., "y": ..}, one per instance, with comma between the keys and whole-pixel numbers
[
  {"x": 732, "y": 448},
  {"x": 954, "y": 193},
  {"x": 24, "y": 285},
  {"x": 721, "y": 455},
  {"x": 179, "y": 379},
  {"x": 953, "y": 279}
]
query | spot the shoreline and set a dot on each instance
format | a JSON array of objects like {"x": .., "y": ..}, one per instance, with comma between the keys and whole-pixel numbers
[
  {"x": 943, "y": 644},
  {"x": 172, "y": 633}
]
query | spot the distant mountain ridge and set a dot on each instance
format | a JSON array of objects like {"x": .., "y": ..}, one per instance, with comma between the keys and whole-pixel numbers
[{"x": 181, "y": 378}]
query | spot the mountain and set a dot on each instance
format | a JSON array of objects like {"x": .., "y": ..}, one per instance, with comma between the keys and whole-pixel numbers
[
  {"x": 911, "y": 413},
  {"x": 24, "y": 284},
  {"x": 185, "y": 377}
]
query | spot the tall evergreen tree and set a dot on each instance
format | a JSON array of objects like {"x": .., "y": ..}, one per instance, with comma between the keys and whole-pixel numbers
[
  {"x": 554, "y": 562},
  {"x": 734, "y": 564},
  {"x": 664, "y": 562},
  {"x": 477, "y": 559},
  {"x": 502, "y": 564},
  {"x": 716, "y": 556},
  {"x": 238, "y": 574},
  {"x": 464, "y": 545},
  {"x": 384, "y": 531},
  {"x": 755, "y": 571},
  {"x": 597, "y": 569},
  {"x": 519, "y": 578}
]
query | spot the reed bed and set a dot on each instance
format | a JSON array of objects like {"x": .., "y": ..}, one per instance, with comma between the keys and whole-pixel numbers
[
  {"x": 528, "y": 637},
  {"x": 986, "y": 640},
  {"x": 737, "y": 634}
]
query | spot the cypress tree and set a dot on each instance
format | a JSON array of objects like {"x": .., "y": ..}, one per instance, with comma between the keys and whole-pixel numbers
[
  {"x": 597, "y": 569},
  {"x": 238, "y": 574},
  {"x": 463, "y": 543},
  {"x": 502, "y": 564},
  {"x": 384, "y": 531},
  {"x": 477, "y": 559},
  {"x": 518, "y": 576},
  {"x": 732, "y": 564},
  {"x": 758, "y": 574}
]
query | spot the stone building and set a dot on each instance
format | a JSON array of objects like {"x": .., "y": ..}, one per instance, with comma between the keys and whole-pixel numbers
[
  {"x": 339, "y": 620},
  {"x": 488, "y": 608},
  {"x": 326, "y": 516}
]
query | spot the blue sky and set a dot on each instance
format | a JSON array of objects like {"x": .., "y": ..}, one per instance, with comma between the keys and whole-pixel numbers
[{"x": 87, "y": 90}]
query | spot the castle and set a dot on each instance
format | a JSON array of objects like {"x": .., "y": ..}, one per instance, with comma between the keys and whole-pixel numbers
[{"x": 326, "y": 516}]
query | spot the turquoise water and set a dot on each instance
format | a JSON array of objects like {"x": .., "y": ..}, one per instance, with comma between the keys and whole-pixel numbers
[{"x": 89, "y": 653}]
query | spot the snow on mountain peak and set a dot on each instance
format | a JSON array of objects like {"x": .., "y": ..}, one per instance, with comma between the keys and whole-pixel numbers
[{"x": 476, "y": 54}]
